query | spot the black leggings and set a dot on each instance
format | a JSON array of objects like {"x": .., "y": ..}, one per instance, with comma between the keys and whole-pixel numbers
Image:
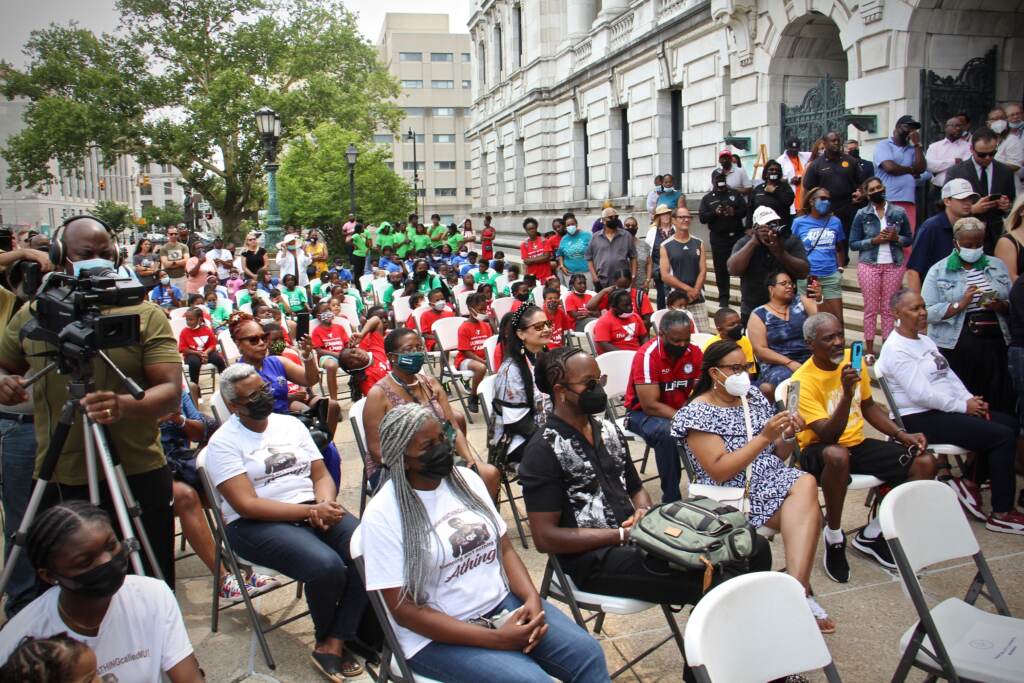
[
  {"x": 994, "y": 441},
  {"x": 194, "y": 364}
]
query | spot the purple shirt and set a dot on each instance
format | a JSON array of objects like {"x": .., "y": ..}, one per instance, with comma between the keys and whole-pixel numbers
[{"x": 898, "y": 188}]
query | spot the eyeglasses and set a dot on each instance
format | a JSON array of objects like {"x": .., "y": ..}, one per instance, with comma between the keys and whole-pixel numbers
[
  {"x": 590, "y": 384},
  {"x": 243, "y": 400},
  {"x": 984, "y": 155},
  {"x": 774, "y": 226},
  {"x": 682, "y": 218},
  {"x": 737, "y": 368},
  {"x": 540, "y": 326},
  {"x": 785, "y": 283},
  {"x": 255, "y": 339}
]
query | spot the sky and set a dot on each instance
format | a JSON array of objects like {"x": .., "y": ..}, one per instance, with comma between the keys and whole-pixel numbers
[{"x": 21, "y": 17}]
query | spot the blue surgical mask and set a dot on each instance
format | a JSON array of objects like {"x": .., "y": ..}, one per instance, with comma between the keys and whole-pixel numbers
[
  {"x": 570, "y": 229},
  {"x": 90, "y": 263},
  {"x": 822, "y": 206}
]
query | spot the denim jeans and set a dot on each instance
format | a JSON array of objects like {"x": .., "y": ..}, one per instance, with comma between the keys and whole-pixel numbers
[
  {"x": 657, "y": 432},
  {"x": 566, "y": 652},
  {"x": 320, "y": 559},
  {"x": 18, "y": 455}
]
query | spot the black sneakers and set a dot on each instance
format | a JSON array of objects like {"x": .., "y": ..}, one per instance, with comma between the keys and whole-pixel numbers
[
  {"x": 836, "y": 566},
  {"x": 875, "y": 548}
]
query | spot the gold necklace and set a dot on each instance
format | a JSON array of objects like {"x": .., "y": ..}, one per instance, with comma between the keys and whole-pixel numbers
[
  {"x": 784, "y": 314},
  {"x": 76, "y": 625}
]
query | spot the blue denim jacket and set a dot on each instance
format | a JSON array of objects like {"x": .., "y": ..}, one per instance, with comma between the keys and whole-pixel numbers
[
  {"x": 866, "y": 227},
  {"x": 942, "y": 287}
]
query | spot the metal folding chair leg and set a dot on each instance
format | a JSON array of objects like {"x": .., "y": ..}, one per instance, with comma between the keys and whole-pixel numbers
[{"x": 506, "y": 484}]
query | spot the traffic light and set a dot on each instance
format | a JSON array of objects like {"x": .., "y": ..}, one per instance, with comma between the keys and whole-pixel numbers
[{"x": 144, "y": 180}]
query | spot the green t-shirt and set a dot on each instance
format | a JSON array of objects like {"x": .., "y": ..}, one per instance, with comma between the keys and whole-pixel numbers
[
  {"x": 317, "y": 287},
  {"x": 420, "y": 242},
  {"x": 455, "y": 241},
  {"x": 437, "y": 235},
  {"x": 389, "y": 296},
  {"x": 384, "y": 241},
  {"x": 359, "y": 244},
  {"x": 431, "y": 283},
  {"x": 220, "y": 315},
  {"x": 137, "y": 442},
  {"x": 297, "y": 298},
  {"x": 490, "y": 277},
  {"x": 400, "y": 243},
  {"x": 244, "y": 298}
]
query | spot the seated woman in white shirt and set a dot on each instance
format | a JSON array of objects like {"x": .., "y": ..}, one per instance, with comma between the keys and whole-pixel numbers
[
  {"x": 132, "y": 623},
  {"x": 437, "y": 549},
  {"x": 281, "y": 512},
  {"x": 932, "y": 400}
]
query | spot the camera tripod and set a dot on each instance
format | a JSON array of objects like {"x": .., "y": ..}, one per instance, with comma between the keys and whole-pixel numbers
[{"x": 97, "y": 453}]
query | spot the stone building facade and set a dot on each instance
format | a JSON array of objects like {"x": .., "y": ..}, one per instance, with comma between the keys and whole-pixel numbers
[{"x": 576, "y": 102}]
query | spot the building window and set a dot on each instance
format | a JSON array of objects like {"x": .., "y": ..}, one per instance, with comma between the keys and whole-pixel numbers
[
  {"x": 482, "y": 66},
  {"x": 465, "y": 57},
  {"x": 444, "y": 137},
  {"x": 447, "y": 218},
  {"x": 517, "y": 37},
  {"x": 383, "y": 138},
  {"x": 166, "y": 168},
  {"x": 499, "y": 66},
  {"x": 410, "y": 56},
  {"x": 444, "y": 111},
  {"x": 147, "y": 204},
  {"x": 412, "y": 165},
  {"x": 467, "y": 84},
  {"x": 469, "y": 191},
  {"x": 415, "y": 111},
  {"x": 170, "y": 204},
  {"x": 444, "y": 165},
  {"x": 390, "y": 165},
  {"x": 444, "y": 192},
  {"x": 422, "y": 192},
  {"x": 469, "y": 164},
  {"x": 167, "y": 187},
  {"x": 442, "y": 84},
  {"x": 146, "y": 190},
  {"x": 442, "y": 57},
  {"x": 412, "y": 84}
]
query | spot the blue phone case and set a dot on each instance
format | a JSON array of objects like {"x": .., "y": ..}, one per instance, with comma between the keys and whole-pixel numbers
[{"x": 856, "y": 355}]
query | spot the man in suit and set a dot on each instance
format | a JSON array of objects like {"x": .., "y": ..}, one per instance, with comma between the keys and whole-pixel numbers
[{"x": 991, "y": 179}]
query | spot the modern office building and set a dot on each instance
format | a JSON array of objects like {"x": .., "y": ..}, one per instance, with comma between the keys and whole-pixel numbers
[{"x": 434, "y": 67}]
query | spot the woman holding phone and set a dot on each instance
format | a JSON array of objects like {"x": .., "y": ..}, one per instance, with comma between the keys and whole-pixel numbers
[
  {"x": 880, "y": 232},
  {"x": 824, "y": 240}
]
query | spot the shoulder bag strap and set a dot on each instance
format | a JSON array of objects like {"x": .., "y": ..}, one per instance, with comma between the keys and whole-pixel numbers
[{"x": 750, "y": 437}]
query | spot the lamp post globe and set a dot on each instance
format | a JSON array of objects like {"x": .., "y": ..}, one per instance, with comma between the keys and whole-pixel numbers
[
  {"x": 268, "y": 124},
  {"x": 350, "y": 155}
]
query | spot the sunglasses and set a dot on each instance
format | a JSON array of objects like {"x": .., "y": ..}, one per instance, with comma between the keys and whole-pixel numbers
[
  {"x": 540, "y": 326},
  {"x": 984, "y": 155},
  {"x": 590, "y": 384},
  {"x": 255, "y": 339},
  {"x": 737, "y": 368}
]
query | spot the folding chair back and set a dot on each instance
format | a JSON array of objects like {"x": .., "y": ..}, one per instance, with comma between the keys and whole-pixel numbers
[
  {"x": 699, "y": 339},
  {"x": 490, "y": 349},
  {"x": 228, "y": 347},
  {"x": 447, "y": 332},
  {"x": 501, "y": 307},
  {"x": 355, "y": 418},
  {"x": 485, "y": 392},
  {"x": 926, "y": 518},
  {"x": 417, "y": 314},
  {"x": 461, "y": 307},
  {"x": 588, "y": 330},
  {"x": 364, "y": 280},
  {"x": 178, "y": 313},
  {"x": 380, "y": 286},
  {"x": 616, "y": 365},
  {"x": 220, "y": 407},
  {"x": 400, "y": 305},
  {"x": 177, "y": 326},
  {"x": 350, "y": 309},
  {"x": 753, "y": 628}
]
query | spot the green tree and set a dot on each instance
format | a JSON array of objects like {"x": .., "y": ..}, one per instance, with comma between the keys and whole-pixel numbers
[
  {"x": 162, "y": 215},
  {"x": 313, "y": 187},
  {"x": 178, "y": 83},
  {"x": 117, "y": 216}
]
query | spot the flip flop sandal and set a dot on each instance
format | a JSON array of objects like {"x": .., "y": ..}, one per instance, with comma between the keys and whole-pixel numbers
[
  {"x": 350, "y": 666},
  {"x": 331, "y": 666}
]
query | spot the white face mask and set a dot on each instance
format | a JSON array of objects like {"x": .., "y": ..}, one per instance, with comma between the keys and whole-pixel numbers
[
  {"x": 438, "y": 305},
  {"x": 998, "y": 127},
  {"x": 737, "y": 385},
  {"x": 970, "y": 255}
]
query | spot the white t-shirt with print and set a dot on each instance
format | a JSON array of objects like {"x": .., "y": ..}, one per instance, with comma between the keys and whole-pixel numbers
[
  {"x": 141, "y": 635},
  {"x": 277, "y": 460},
  {"x": 220, "y": 255},
  {"x": 466, "y": 581}
]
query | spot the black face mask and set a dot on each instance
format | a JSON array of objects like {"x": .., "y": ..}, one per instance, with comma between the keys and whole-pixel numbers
[
  {"x": 523, "y": 296},
  {"x": 877, "y": 197},
  {"x": 614, "y": 223},
  {"x": 102, "y": 581},
  {"x": 735, "y": 333},
  {"x": 437, "y": 463},
  {"x": 592, "y": 401},
  {"x": 855, "y": 153},
  {"x": 674, "y": 350},
  {"x": 260, "y": 407}
]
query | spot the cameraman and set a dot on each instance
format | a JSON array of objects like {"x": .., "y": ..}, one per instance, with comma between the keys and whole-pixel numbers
[
  {"x": 154, "y": 363},
  {"x": 723, "y": 210},
  {"x": 17, "y": 437}
]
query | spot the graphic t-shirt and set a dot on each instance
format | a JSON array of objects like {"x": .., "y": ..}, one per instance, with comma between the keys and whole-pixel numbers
[
  {"x": 920, "y": 377},
  {"x": 576, "y": 302},
  {"x": 532, "y": 248},
  {"x": 622, "y": 333},
  {"x": 675, "y": 377},
  {"x": 820, "y": 392},
  {"x": 165, "y": 296},
  {"x": 297, "y": 299},
  {"x": 200, "y": 339},
  {"x": 141, "y": 635},
  {"x": 276, "y": 461},
  {"x": 465, "y": 579},
  {"x": 174, "y": 252},
  {"x": 373, "y": 343},
  {"x": 820, "y": 237},
  {"x": 331, "y": 338},
  {"x": 561, "y": 324},
  {"x": 472, "y": 335}
]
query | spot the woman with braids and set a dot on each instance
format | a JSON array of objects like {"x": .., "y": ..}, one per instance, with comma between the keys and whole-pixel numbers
[
  {"x": 713, "y": 430},
  {"x": 583, "y": 494},
  {"x": 459, "y": 598},
  {"x": 519, "y": 409},
  {"x": 132, "y": 623},
  {"x": 57, "y": 659},
  {"x": 406, "y": 384},
  {"x": 280, "y": 505}
]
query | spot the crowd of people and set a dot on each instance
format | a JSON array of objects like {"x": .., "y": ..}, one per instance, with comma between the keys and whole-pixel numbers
[{"x": 408, "y": 311}]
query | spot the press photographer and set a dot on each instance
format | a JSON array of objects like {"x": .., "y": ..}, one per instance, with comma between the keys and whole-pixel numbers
[{"x": 84, "y": 246}]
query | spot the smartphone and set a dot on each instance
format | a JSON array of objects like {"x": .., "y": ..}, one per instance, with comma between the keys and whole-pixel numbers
[
  {"x": 793, "y": 397},
  {"x": 994, "y": 197},
  {"x": 813, "y": 280},
  {"x": 987, "y": 298},
  {"x": 857, "y": 355},
  {"x": 301, "y": 325}
]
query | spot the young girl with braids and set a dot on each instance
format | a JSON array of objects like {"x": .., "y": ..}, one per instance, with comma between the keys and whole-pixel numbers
[
  {"x": 459, "y": 597},
  {"x": 132, "y": 623},
  {"x": 57, "y": 659}
]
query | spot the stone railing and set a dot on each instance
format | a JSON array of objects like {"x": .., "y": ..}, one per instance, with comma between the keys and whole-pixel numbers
[
  {"x": 667, "y": 7},
  {"x": 622, "y": 28},
  {"x": 581, "y": 52}
]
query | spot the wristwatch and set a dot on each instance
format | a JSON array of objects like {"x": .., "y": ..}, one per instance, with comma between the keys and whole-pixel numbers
[{"x": 956, "y": 305}]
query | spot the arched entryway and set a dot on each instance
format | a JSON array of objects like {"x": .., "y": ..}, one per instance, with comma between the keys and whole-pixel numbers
[{"x": 808, "y": 74}]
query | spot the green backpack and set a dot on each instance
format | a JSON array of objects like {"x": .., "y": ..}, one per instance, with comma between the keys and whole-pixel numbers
[{"x": 697, "y": 533}]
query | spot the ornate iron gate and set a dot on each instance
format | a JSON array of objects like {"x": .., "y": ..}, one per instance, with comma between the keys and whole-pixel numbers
[
  {"x": 972, "y": 91},
  {"x": 821, "y": 111}
]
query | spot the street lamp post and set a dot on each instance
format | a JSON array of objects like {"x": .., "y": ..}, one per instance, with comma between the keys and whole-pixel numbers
[
  {"x": 350, "y": 155},
  {"x": 415, "y": 170},
  {"x": 268, "y": 123}
]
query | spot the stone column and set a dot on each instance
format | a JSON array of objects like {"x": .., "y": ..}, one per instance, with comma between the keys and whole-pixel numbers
[
  {"x": 611, "y": 9},
  {"x": 579, "y": 17}
]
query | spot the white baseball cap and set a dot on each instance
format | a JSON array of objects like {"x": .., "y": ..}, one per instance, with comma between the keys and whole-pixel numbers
[
  {"x": 763, "y": 215},
  {"x": 958, "y": 188}
]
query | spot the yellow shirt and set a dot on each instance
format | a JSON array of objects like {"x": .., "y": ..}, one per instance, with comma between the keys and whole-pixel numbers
[
  {"x": 820, "y": 391},
  {"x": 748, "y": 349}
]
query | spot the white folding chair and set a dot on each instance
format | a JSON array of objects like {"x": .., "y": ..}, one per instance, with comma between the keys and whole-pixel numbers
[
  {"x": 178, "y": 313},
  {"x": 446, "y": 331},
  {"x": 588, "y": 332},
  {"x": 485, "y": 392},
  {"x": 923, "y": 524},
  {"x": 501, "y": 307},
  {"x": 234, "y": 561},
  {"x": 393, "y": 665},
  {"x": 380, "y": 286},
  {"x": 350, "y": 309},
  {"x": 616, "y": 366},
  {"x": 365, "y": 280},
  {"x": 699, "y": 339},
  {"x": 400, "y": 307},
  {"x": 355, "y": 418},
  {"x": 228, "y": 347},
  {"x": 491, "y": 353},
  {"x": 460, "y": 302},
  {"x": 246, "y": 307},
  {"x": 754, "y": 628},
  {"x": 500, "y": 284},
  {"x": 177, "y": 325}
]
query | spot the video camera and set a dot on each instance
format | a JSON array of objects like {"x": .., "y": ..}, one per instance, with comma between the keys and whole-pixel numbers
[{"x": 68, "y": 315}]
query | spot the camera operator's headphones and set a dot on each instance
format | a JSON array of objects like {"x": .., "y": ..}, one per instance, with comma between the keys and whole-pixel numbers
[{"x": 58, "y": 251}]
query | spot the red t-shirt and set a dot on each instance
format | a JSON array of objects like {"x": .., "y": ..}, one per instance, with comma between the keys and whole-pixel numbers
[
  {"x": 373, "y": 343},
  {"x": 675, "y": 377},
  {"x": 200, "y": 339},
  {"x": 576, "y": 302},
  {"x": 561, "y": 324},
  {"x": 532, "y": 248},
  {"x": 643, "y": 307},
  {"x": 427, "y": 321},
  {"x": 553, "y": 243},
  {"x": 472, "y": 335},
  {"x": 331, "y": 338},
  {"x": 623, "y": 334},
  {"x": 516, "y": 305}
]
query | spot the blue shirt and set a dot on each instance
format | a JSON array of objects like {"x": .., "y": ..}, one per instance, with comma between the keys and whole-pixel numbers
[
  {"x": 343, "y": 273},
  {"x": 272, "y": 372},
  {"x": 573, "y": 249},
  {"x": 468, "y": 267},
  {"x": 172, "y": 435},
  {"x": 932, "y": 243},
  {"x": 389, "y": 265},
  {"x": 164, "y": 297},
  {"x": 898, "y": 188},
  {"x": 669, "y": 198},
  {"x": 820, "y": 237}
]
